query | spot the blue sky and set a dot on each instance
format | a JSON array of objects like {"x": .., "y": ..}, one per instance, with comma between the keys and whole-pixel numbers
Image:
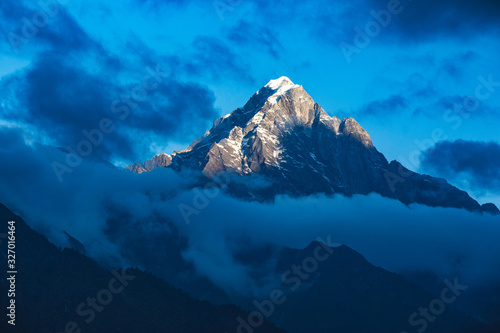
[{"x": 404, "y": 83}]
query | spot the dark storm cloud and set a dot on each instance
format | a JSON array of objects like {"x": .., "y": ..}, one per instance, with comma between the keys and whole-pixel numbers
[
  {"x": 428, "y": 19},
  {"x": 176, "y": 110},
  {"x": 29, "y": 25},
  {"x": 74, "y": 83},
  {"x": 246, "y": 33},
  {"x": 62, "y": 99},
  {"x": 11, "y": 13},
  {"x": 476, "y": 162}
]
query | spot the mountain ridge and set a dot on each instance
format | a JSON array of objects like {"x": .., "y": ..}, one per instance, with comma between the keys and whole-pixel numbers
[
  {"x": 52, "y": 282},
  {"x": 343, "y": 293},
  {"x": 283, "y": 134}
]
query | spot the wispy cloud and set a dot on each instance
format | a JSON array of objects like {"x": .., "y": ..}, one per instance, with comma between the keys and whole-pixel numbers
[{"x": 257, "y": 37}]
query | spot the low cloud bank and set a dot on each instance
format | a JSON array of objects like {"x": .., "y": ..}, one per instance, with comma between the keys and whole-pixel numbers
[{"x": 117, "y": 215}]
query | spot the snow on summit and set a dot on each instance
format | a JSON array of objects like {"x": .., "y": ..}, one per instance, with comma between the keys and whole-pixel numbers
[
  {"x": 280, "y": 86},
  {"x": 282, "y": 81}
]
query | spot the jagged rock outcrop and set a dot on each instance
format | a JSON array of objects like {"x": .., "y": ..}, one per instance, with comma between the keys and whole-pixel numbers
[{"x": 161, "y": 160}]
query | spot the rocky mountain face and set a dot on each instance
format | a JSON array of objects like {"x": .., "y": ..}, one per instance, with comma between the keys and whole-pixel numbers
[
  {"x": 161, "y": 160},
  {"x": 283, "y": 135}
]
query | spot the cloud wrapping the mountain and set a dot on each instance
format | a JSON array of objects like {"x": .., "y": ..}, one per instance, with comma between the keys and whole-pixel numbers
[{"x": 126, "y": 219}]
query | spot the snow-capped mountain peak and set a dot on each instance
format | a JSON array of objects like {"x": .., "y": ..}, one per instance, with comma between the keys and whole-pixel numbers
[
  {"x": 283, "y": 134},
  {"x": 278, "y": 87},
  {"x": 280, "y": 82}
]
